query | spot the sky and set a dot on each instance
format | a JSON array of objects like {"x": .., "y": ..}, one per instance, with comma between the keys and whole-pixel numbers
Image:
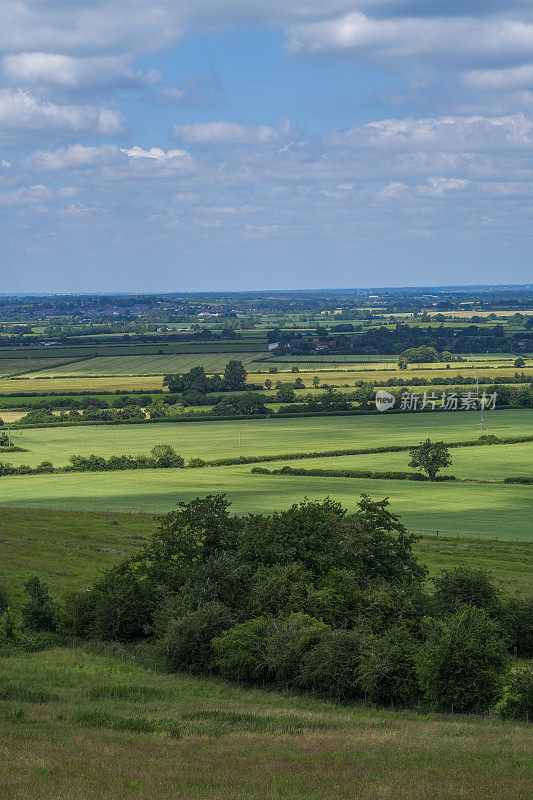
[{"x": 208, "y": 145}]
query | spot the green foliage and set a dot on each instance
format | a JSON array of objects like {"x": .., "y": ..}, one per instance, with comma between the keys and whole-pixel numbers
[
  {"x": 517, "y": 696},
  {"x": 289, "y": 638},
  {"x": 464, "y": 586},
  {"x": 388, "y": 674},
  {"x": 516, "y": 616},
  {"x": 331, "y": 668},
  {"x": 165, "y": 456},
  {"x": 4, "y": 599},
  {"x": 430, "y": 456},
  {"x": 186, "y": 644},
  {"x": 39, "y": 612},
  {"x": 462, "y": 663},
  {"x": 240, "y": 653},
  {"x": 234, "y": 376}
]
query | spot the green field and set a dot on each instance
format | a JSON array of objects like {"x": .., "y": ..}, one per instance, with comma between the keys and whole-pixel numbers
[
  {"x": 110, "y": 384},
  {"x": 492, "y": 462},
  {"x": 485, "y": 510},
  {"x": 18, "y": 366},
  {"x": 262, "y": 437},
  {"x": 81, "y": 723},
  {"x": 150, "y": 365}
]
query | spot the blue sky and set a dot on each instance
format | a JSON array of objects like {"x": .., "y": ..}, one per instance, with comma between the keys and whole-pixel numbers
[{"x": 230, "y": 144}]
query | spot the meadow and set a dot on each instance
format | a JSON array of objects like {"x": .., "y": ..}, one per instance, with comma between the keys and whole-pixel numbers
[
  {"x": 80, "y": 722},
  {"x": 59, "y": 385},
  {"x": 380, "y": 376},
  {"x": 18, "y": 366},
  {"x": 211, "y": 440}
]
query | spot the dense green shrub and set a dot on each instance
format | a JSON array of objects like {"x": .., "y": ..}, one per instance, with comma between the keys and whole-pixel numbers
[
  {"x": 462, "y": 663},
  {"x": 516, "y": 617},
  {"x": 289, "y": 638},
  {"x": 464, "y": 586},
  {"x": 240, "y": 653},
  {"x": 517, "y": 696},
  {"x": 387, "y": 673},
  {"x": 186, "y": 644},
  {"x": 331, "y": 668},
  {"x": 39, "y": 612}
]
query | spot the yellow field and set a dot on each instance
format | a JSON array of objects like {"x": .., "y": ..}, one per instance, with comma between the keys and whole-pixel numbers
[{"x": 58, "y": 385}]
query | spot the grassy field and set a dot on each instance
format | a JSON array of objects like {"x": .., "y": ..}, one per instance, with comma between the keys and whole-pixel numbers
[
  {"x": 263, "y": 437},
  {"x": 486, "y": 510},
  {"x": 84, "y": 724},
  {"x": 17, "y": 366},
  {"x": 109, "y": 384},
  {"x": 493, "y": 462},
  {"x": 149, "y": 365},
  {"x": 70, "y": 549}
]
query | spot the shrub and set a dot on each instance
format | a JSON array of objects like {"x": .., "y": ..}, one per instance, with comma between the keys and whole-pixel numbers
[
  {"x": 281, "y": 588},
  {"x": 197, "y": 462},
  {"x": 290, "y": 637},
  {"x": 516, "y": 617},
  {"x": 387, "y": 672},
  {"x": 39, "y": 611},
  {"x": 517, "y": 696},
  {"x": 331, "y": 668},
  {"x": 166, "y": 456},
  {"x": 186, "y": 644},
  {"x": 240, "y": 653},
  {"x": 464, "y": 586},
  {"x": 462, "y": 663},
  {"x": 118, "y": 607}
]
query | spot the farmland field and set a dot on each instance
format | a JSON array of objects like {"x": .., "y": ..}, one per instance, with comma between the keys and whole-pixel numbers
[
  {"x": 149, "y": 365},
  {"x": 361, "y": 373},
  {"x": 59, "y": 385},
  {"x": 492, "y": 462},
  {"x": 263, "y": 437},
  {"x": 17, "y": 366},
  {"x": 486, "y": 510}
]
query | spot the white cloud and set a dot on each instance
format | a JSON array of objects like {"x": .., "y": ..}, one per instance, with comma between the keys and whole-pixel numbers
[
  {"x": 155, "y": 153},
  {"x": 68, "y": 72},
  {"x": 21, "y": 111},
  {"x": 75, "y": 156},
  {"x": 26, "y": 195},
  {"x": 512, "y": 78},
  {"x": 230, "y": 133},
  {"x": 452, "y": 133}
]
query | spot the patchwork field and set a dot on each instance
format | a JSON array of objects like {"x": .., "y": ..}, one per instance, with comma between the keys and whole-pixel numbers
[
  {"x": 149, "y": 365},
  {"x": 59, "y": 385}
]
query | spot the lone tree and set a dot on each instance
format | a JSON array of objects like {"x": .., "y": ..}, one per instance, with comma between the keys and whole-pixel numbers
[
  {"x": 235, "y": 376},
  {"x": 430, "y": 456}
]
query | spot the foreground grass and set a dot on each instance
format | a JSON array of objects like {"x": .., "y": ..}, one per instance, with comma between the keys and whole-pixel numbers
[
  {"x": 69, "y": 549},
  {"x": 79, "y": 724}
]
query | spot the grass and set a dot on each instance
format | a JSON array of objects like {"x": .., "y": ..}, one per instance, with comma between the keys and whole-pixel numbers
[
  {"x": 150, "y": 365},
  {"x": 70, "y": 549},
  {"x": 485, "y": 510},
  {"x": 17, "y": 366},
  {"x": 492, "y": 462},
  {"x": 107, "y": 727},
  {"x": 109, "y": 384},
  {"x": 262, "y": 437}
]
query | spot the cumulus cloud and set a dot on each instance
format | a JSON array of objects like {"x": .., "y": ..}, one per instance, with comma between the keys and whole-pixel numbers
[
  {"x": 452, "y": 133},
  {"x": 21, "y": 111},
  {"x": 68, "y": 72},
  {"x": 230, "y": 133},
  {"x": 26, "y": 195}
]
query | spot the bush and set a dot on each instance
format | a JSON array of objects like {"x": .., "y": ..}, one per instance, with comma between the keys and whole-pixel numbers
[
  {"x": 462, "y": 663},
  {"x": 39, "y": 611},
  {"x": 388, "y": 674},
  {"x": 517, "y": 695},
  {"x": 186, "y": 644},
  {"x": 463, "y": 586},
  {"x": 331, "y": 668},
  {"x": 118, "y": 607},
  {"x": 166, "y": 456},
  {"x": 290, "y": 637},
  {"x": 240, "y": 653},
  {"x": 516, "y": 617}
]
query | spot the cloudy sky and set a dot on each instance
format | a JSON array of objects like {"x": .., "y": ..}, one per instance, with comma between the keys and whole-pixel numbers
[{"x": 226, "y": 144}]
